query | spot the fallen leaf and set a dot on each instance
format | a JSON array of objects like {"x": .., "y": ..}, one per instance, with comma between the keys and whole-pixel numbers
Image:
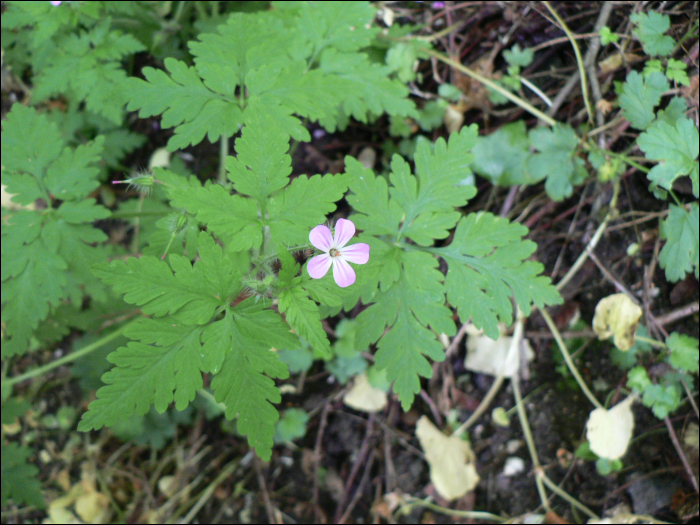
[
  {"x": 486, "y": 356},
  {"x": 364, "y": 397},
  {"x": 618, "y": 316},
  {"x": 609, "y": 431},
  {"x": 451, "y": 461}
]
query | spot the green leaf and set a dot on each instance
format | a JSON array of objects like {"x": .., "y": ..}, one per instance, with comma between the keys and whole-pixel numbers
[
  {"x": 378, "y": 215},
  {"x": 258, "y": 323},
  {"x": 231, "y": 217},
  {"x": 501, "y": 156},
  {"x": 556, "y": 160},
  {"x": 299, "y": 360},
  {"x": 367, "y": 90},
  {"x": 191, "y": 291},
  {"x": 680, "y": 254},
  {"x": 19, "y": 478},
  {"x": 607, "y": 36},
  {"x": 401, "y": 59},
  {"x": 638, "y": 379},
  {"x": 30, "y": 143},
  {"x": 606, "y": 466},
  {"x": 410, "y": 301},
  {"x": 676, "y": 147},
  {"x": 652, "y": 66},
  {"x": 262, "y": 165},
  {"x": 245, "y": 384},
  {"x": 164, "y": 366},
  {"x": 346, "y": 27},
  {"x": 650, "y": 32},
  {"x": 427, "y": 199},
  {"x": 77, "y": 212},
  {"x": 166, "y": 363},
  {"x": 640, "y": 95},
  {"x": 33, "y": 280},
  {"x": 276, "y": 94},
  {"x": 303, "y": 315},
  {"x": 662, "y": 399},
  {"x": 87, "y": 67},
  {"x": 73, "y": 175},
  {"x": 152, "y": 430},
  {"x": 304, "y": 204},
  {"x": 684, "y": 352},
  {"x": 46, "y": 253},
  {"x": 186, "y": 102},
  {"x": 307, "y": 63},
  {"x": 430, "y": 117},
  {"x": 674, "y": 112},
  {"x": 676, "y": 72},
  {"x": 408, "y": 307},
  {"x": 487, "y": 262},
  {"x": 345, "y": 368},
  {"x": 517, "y": 57},
  {"x": 225, "y": 58},
  {"x": 291, "y": 426}
]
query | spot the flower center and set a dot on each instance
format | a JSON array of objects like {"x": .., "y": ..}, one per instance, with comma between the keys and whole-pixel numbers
[{"x": 333, "y": 252}]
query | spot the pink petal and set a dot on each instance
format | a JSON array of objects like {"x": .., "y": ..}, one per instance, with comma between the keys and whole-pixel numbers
[
  {"x": 356, "y": 253},
  {"x": 322, "y": 238},
  {"x": 318, "y": 266},
  {"x": 344, "y": 230},
  {"x": 343, "y": 273}
]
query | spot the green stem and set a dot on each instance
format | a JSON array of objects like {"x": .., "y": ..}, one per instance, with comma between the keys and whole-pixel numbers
[
  {"x": 650, "y": 341},
  {"x": 529, "y": 439},
  {"x": 564, "y": 495},
  {"x": 492, "y": 85},
  {"x": 70, "y": 357},
  {"x": 594, "y": 240},
  {"x": 469, "y": 514},
  {"x": 579, "y": 60},
  {"x": 567, "y": 358}
]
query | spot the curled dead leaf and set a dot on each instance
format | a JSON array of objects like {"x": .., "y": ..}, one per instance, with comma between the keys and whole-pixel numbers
[{"x": 618, "y": 316}]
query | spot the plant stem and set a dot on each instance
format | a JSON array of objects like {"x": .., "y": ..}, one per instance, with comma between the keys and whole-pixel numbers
[
  {"x": 564, "y": 495},
  {"x": 594, "y": 240},
  {"x": 579, "y": 60},
  {"x": 650, "y": 341},
  {"x": 70, "y": 357},
  {"x": 492, "y": 85},
  {"x": 567, "y": 358}
]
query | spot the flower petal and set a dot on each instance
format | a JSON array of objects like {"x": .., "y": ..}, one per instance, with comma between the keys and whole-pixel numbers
[
  {"x": 343, "y": 273},
  {"x": 318, "y": 266},
  {"x": 322, "y": 238},
  {"x": 344, "y": 230},
  {"x": 356, "y": 253}
]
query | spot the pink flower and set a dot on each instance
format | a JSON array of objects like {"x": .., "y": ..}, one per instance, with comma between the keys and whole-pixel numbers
[{"x": 337, "y": 254}]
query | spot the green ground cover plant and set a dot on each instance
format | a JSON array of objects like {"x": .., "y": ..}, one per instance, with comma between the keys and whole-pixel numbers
[{"x": 225, "y": 269}]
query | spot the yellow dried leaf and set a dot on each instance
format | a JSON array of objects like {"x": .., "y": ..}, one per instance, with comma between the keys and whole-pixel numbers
[
  {"x": 618, "y": 316},
  {"x": 364, "y": 397},
  {"x": 451, "y": 461}
]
